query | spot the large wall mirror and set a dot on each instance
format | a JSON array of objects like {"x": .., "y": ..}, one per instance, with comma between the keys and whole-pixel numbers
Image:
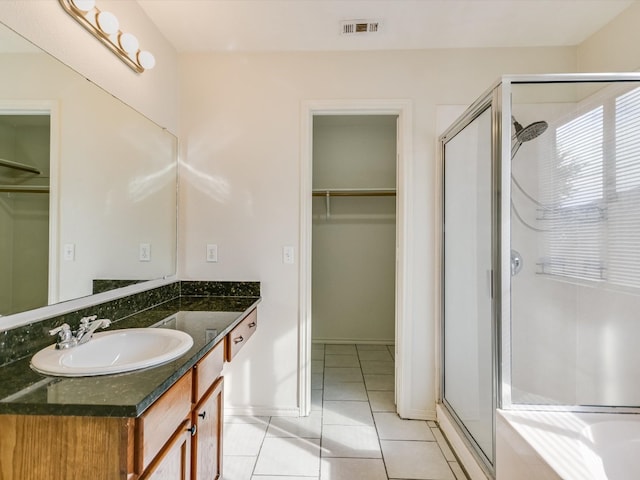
[{"x": 87, "y": 185}]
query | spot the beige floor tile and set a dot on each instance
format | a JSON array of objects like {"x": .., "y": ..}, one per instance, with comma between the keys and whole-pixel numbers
[
  {"x": 391, "y": 427},
  {"x": 245, "y": 419},
  {"x": 289, "y": 456},
  {"x": 237, "y": 467},
  {"x": 375, "y": 355},
  {"x": 370, "y": 366},
  {"x": 415, "y": 460},
  {"x": 341, "y": 361},
  {"x": 376, "y": 381},
  {"x": 346, "y": 413},
  {"x": 342, "y": 374},
  {"x": 444, "y": 446},
  {"x": 317, "y": 366},
  {"x": 352, "y": 469},
  {"x": 368, "y": 346},
  {"x": 316, "y": 400},
  {"x": 350, "y": 441},
  {"x": 302, "y": 427},
  {"x": 345, "y": 391},
  {"x": 458, "y": 471},
  {"x": 282, "y": 477},
  {"x": 331, "y": 349},
  {"x": 243, "y": 438},
  {"x": 382, "y": 401},
  {"x": 317, "y": 380}
]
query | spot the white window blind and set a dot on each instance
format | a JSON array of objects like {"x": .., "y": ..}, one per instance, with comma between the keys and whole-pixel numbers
[
  {"x": 593, "y": 195},
  {"x": 623, "y": 219}
]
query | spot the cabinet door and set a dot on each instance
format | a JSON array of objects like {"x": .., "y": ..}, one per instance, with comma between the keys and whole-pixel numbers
[
  {"x": 174, "y": 460},
  {"x": 207, "y": 442}
]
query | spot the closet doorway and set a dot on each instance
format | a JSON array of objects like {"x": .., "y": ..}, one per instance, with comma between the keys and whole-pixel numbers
[
  {"x": 353, "y": 229},
  {"x": 354, "y": 255}
]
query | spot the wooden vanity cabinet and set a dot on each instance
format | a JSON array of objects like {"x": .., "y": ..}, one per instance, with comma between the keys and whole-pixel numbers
[
  {"x": 174, "y": 461},
  {"x": 206, "y": 447},
  {"x": 237, "y": 338},
  {"x": 178, "y": 437}
]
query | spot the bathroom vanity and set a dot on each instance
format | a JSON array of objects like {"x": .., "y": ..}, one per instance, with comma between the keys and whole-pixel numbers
[{"x": 163, "y": 422}]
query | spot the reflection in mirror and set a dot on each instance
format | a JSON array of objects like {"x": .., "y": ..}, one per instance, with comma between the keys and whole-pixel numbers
[
  {"x": 105, "y": 203},
  {"x": 24, "y": 210}
]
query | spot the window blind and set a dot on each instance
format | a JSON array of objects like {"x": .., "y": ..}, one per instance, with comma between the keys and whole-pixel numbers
[{"x": 593, "y": 195}]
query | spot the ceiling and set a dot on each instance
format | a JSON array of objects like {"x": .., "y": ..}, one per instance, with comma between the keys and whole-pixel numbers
[{"x": 315, "y": 25}]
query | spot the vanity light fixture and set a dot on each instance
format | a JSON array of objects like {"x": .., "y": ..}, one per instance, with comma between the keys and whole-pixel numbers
[{"x": 106, "y": 28}]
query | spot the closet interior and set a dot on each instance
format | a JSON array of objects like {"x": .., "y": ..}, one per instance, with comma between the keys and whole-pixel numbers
[
  {"x": 24, "y": 212},
  {"x": 354, "y": 229}
]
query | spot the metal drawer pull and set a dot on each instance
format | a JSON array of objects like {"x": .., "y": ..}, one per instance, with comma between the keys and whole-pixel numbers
[
  {"x": 252, "y": 324},
  {"x": 203, "y": 415},
  {"x": 238, "y": 339},
  {"x": 193, "y": 430}
]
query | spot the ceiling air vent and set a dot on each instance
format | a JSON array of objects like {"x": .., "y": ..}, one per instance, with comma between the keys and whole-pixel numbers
[{"x": 352, "y": 27}]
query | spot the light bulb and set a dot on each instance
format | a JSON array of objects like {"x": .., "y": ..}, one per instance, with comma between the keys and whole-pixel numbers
[
  {"x": 146, "y": 60},
  {"x": 128, "y": 42},
  {"x": 108, "y": 22},
  {"x": 84, "y": 5}
]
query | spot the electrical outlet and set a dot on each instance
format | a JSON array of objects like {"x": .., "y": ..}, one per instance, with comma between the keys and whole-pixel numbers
[
  {"x": 287, "y": 255},
  {"x": 145, "y": 252},
  {"x": 69, "y": 253},
  {"x": 212, "y": 252}
]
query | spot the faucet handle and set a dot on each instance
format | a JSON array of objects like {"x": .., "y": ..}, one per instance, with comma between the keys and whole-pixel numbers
[
  {"x": 62, "y": 330},
  {"x": 84, "y": 321}
]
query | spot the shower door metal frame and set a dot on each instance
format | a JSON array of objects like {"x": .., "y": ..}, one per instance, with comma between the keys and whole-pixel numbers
[{"x": 492, "y": 98}]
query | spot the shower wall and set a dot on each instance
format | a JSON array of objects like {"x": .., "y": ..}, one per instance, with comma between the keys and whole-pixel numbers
[{"x": 573, "y": 337}]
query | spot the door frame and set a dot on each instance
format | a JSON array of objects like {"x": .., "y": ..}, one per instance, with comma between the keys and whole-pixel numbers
[
  {"x": 404, "y": 257},
  {"x": 51, "y": 108}
]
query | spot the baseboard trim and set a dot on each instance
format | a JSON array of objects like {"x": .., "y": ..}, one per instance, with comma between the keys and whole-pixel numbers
[
  {"x": 414, "y": 414},
  {"x": 360, "y": 341},
  {"x": 262, "y": 411}
]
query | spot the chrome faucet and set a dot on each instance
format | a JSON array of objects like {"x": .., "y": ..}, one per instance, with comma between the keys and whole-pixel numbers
[{"x": 69, "y": 339}]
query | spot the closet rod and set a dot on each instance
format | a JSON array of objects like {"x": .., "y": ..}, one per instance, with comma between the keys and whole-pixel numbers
[
  {"x": 24, "y": 188},
  {"x": 18, "y": 166},
  {"x": 354, "y": 192}
]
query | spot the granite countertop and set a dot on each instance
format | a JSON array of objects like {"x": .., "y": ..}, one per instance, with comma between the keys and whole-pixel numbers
[{"x": 206, "y": 319}]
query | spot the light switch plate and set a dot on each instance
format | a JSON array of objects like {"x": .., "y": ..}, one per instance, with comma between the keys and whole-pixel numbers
[
  {"x": 212, "y": 252},
  {"x": 145, "y": 252},
  {"x": 287, "y": 255}
]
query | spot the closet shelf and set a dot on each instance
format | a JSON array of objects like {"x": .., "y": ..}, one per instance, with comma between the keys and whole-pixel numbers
[
  {"x": 354, "y": 192},
  {"x": 327, "y": 193},
  {"x": 24, "y": 188},
  {"x": 18, "y": 166}
]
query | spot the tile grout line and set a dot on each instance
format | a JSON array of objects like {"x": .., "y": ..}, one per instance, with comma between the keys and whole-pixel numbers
[{"x": 373, "y": 418}]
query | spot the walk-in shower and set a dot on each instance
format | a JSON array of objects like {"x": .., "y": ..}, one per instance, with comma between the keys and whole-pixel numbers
[{"x": 541, "y": 259}]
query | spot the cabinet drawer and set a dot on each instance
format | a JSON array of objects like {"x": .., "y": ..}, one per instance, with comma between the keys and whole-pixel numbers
[
  {"x": 160, "y": 421},
  {"x": 237, "y": 338},
  {"x": 207, "y": 370}
]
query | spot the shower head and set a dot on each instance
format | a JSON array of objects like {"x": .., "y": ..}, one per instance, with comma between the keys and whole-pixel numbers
[
  {"x": 524, "y": 134},
  {"x": 534, "y": 130}
]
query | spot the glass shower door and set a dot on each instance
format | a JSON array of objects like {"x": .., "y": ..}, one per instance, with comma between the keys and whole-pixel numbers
[{"x": 468, "y": 383}]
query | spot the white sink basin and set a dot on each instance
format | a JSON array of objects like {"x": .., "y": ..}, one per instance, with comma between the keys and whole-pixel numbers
[{"x": 114, "y": 351}]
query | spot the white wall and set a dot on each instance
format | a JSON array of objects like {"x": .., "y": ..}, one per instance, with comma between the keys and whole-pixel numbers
[
  {"x": 615, "y": 47},
  {"x": 241, "y": 181},
  {"x": 353, "y": 247},
  {"x": 154, "y": 92}
]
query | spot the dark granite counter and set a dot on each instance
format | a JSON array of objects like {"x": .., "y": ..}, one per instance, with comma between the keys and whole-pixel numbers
[{"x": 206, "y": 318}]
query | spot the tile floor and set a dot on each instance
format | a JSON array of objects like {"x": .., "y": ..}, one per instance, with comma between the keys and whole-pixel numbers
[{"x": 351, "y": 434}]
